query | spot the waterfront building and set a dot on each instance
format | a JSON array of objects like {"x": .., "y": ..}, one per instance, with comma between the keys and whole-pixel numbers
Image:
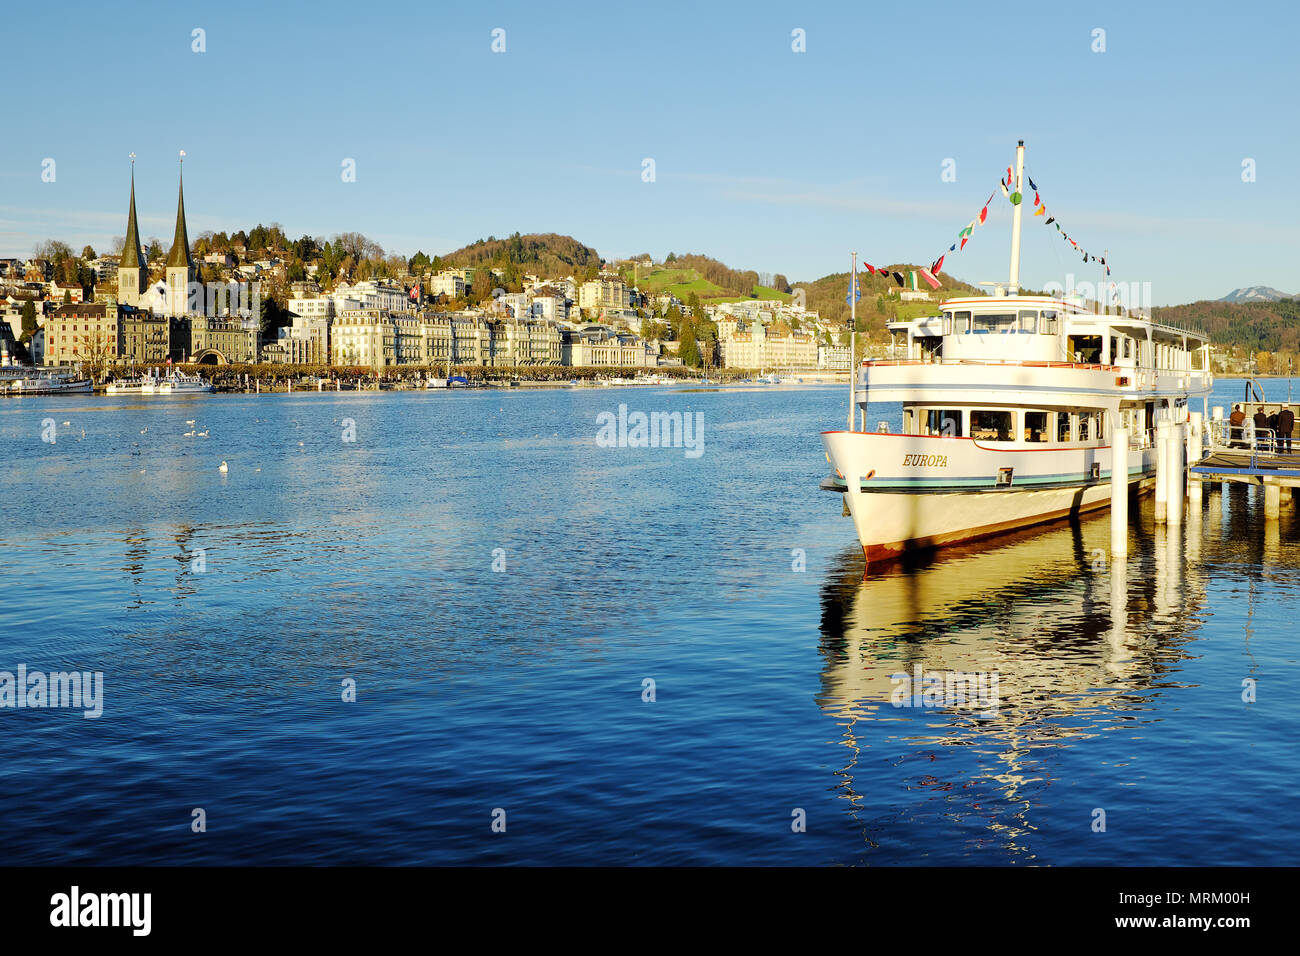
[
  {"x": 598, "y": 345},
  {"x": 521, "y": 342},
  {"x": 221, "y": 340},
  {"x": 363, "y": 337},
  {"x": 84, "y": 332},
  {"x": 758, "y": 347}
]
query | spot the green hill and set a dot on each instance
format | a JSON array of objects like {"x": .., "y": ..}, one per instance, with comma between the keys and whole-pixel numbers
[
  {"x": 546, "y": 254},
  {"x": 1254, "y": 326}
]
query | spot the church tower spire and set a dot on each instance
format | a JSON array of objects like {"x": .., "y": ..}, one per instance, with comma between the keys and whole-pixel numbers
[
  {"x": 180, "y": 266},
  {"x": 131, "y": 275}
]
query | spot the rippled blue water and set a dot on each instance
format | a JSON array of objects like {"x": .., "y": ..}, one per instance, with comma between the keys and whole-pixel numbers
[{"x": 522, "y": 689}]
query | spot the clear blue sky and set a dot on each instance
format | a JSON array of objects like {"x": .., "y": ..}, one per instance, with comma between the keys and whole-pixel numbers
[{"x": 765, "y": 158}]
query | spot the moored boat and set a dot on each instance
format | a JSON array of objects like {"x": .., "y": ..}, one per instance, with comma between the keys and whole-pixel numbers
[
  {"x": 1008, "y": 404},
  {"x": 45, "y": 382}
]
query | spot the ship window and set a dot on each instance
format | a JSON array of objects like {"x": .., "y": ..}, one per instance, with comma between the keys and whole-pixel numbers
[
  {"x": 1047, "y": 325},
  {"x": 989, "y": 425},
  {"x": 1036, "y": 426},
  {"x": 996, "y": 322},
  {"x": 1087, "y": 426},
  {"x": 1063, "y": 426},
  {"x": 1028, "y": 320},
  {"x": 945, "y": 422}
]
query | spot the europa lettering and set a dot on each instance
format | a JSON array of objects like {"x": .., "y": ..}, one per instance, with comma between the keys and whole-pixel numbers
[{"x": 925, "y": 461}]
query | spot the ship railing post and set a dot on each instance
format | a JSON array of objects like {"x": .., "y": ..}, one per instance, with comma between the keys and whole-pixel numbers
[
  {"x": 1118, "y": 493},
  {"x": 1177, "y": 485},
  {"x": 1162, "y": 469}
]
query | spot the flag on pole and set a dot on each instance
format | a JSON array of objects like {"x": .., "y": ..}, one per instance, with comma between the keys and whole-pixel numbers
[
  {"x": 928, "y": 277},
  {"x": 855, "y": 289}
]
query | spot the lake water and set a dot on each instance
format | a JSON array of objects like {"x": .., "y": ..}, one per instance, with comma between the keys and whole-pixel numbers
[{"x": 500, "y": 588}]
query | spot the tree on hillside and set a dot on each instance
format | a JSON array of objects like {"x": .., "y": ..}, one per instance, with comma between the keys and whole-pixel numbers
[
  {"x": 53, "y": 250},
  {"x": 28, "y": 313},
  {"x": 88, "y": 252},
  {"x": 688, "y": 349}
]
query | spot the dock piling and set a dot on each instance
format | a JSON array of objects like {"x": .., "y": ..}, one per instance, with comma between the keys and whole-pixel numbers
[
  {"x": 1162, "y": 470},
  {"x": 1119, "y": 493},
  {"x": 1177, "y": 484},
  {"x": 1272, "y": 499}
]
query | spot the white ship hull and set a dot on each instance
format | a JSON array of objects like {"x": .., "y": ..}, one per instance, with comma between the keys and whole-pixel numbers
[{"x": 920, "y": 493}]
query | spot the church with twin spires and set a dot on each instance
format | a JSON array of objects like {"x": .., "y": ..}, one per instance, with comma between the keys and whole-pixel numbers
[
  {"x": 170, "y": 297},
  {"x": 195, "y": 330}
]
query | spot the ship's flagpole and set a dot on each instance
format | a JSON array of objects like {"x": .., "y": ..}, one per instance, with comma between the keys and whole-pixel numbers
[
  {"x": 1014, "y": 284},
  {"x": 853, "y": 340}
]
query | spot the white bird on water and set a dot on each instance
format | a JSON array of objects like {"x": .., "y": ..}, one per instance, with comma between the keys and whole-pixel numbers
[
  {"x": 224, "y": 468},
  {"x": 145, "y": 429},
  {"x": 190, "y": 433},
  {"x": 204, "y": 433},
  {"x": 67, "y": 423},
  {"x": 189, "y": 421}
]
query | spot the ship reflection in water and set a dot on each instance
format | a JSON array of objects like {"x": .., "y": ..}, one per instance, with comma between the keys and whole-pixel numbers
[{"x": 1071, "y": 650}]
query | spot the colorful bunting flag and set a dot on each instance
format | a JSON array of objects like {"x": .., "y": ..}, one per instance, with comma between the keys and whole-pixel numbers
[
  {"x": 1003, "y": 184},
  {"x": 928, "y": 277},
  {"x": 898, "y": 277},
  {"x": 984, "y": 214},
  {"x": 937, "y": 266},
  {"x": 1041, "y": 210},
  {"x": 1031, "y": 184}
]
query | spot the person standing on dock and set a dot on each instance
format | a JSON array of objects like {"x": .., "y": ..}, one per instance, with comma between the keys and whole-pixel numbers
[
  {"x": 1261, "y": 423},
  {"x": 1235, "y": 421},
  {"x": 1285, "y": 425}
]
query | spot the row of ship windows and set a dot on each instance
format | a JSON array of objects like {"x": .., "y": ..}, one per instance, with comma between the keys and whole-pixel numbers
[
  {"x": 1024, "y": 320},
  {"x": 1009, "y": 425}
]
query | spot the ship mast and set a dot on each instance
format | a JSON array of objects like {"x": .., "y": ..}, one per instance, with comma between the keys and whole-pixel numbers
[{"x": 1014, "y": 284}]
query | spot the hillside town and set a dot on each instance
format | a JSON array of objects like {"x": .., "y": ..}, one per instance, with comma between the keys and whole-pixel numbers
[{"x": 236, "y": 301}]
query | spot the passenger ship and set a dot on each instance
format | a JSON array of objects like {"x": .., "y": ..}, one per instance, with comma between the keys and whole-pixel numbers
[
  {"x": 1008, "y": 405},
  {"x": 175, "y": 382}
]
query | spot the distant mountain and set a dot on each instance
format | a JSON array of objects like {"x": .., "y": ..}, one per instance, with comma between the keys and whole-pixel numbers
[{"x": 1256, "y": 293}]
